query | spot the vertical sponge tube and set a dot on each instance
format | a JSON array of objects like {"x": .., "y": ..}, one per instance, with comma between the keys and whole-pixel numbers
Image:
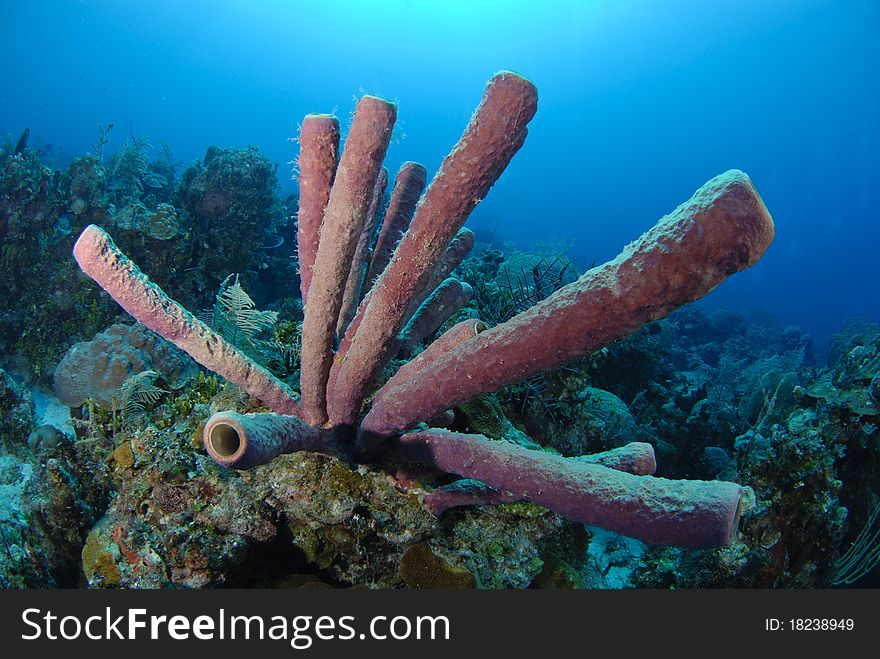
[
  {"x": 343, "y": 223},
  {"x": 495, "y": 133},
  {"x": 357, "y": 274},
  {"x": 408, "y": 186},
  {"x": 450, "y": 296},
  {"x": 457, "y": 252},
  {"x": 318, "y": 155}
]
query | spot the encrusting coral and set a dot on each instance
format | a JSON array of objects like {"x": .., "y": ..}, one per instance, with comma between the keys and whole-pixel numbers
[{"x": 724, "y": 228}]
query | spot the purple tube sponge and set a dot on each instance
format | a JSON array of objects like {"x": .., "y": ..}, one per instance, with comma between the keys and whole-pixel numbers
[
  {"x": 101, "y": 260},
  {"x": 450, "y": 296},
  {"x": 683, "y": 513},
  {"x": 721, "y": 230},
  {"x": 457, "y": 252},
  {"x": 318, "y": 156},
  {"x": 356, "y": 276},
  {"x": 724, "y": 228},
  {"x": 243, "y": 441},
  {"x": 634, "y": 458},
  {"x": 494, "y": 135},
  {"x": 344, "y": 218},
  {"x": 408, "y": 186}
]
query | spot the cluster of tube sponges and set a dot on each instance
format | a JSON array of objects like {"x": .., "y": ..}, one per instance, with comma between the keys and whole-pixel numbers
[{"x": 375, "y": 286}]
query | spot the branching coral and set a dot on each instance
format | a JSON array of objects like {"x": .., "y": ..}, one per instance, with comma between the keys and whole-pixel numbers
[{"x": 724, "y": 228}]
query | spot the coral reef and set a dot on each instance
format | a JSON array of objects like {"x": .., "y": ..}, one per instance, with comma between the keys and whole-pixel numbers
[
  {"x": 228, "y": 201},
  {"x": 724, "y": 228},
  {"x": 810, "y": 468},
  {"x": 421, "y": 568},
  {"x": 42, "y": 307},
  {"x": 17, "y": 418},
  {"x": 720, "y": 397},
  {"x": 600, "y": 421},
  {"x": 51, "y": 492},
  {"x": 179, "y": 520},
  {"x": 164, "y": 221}
]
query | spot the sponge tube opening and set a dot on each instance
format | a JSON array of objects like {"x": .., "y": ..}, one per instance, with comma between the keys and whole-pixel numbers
[{"x": 225, "y": 440}]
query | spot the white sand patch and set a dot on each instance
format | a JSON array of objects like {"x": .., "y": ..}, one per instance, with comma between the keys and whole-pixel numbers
[{"x": 51, "y": 411}]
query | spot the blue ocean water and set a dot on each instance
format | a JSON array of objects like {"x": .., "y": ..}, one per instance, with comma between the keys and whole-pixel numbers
[{"x": 640, "y": 102}]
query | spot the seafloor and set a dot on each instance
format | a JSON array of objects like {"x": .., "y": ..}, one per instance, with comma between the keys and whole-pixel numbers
[{"x": 104, "y": 481}]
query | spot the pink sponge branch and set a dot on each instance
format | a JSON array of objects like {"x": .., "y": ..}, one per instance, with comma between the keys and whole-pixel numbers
[
  {"x": 358, "y": 272},
  {"x": 343, "y": 223},
  {"x": 465, "y": 492},
  {"x": 101, "y": 260},
  {"x": 408, "y": 186},
  {"x": 722, "y": 229},
  {"x": 318, "y": 155},
  {"x": 495, "y": 133},
  {"x": 243, "y": 441},
  {"x": 458, "y": 249},
  {"x": 683, "y": 513},
  {"x": 634, "y": 458},
  {"x": 450, "y": 339},
  {"x": 450, "y": 296}
]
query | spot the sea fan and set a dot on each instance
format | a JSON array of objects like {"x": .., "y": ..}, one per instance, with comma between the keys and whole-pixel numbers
[
  {"x": 138, "y": 392},
  {"x": 520, "y": 286},
  {"x": 236, "y": 316},
  {"x": 863, "y": 557}
]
